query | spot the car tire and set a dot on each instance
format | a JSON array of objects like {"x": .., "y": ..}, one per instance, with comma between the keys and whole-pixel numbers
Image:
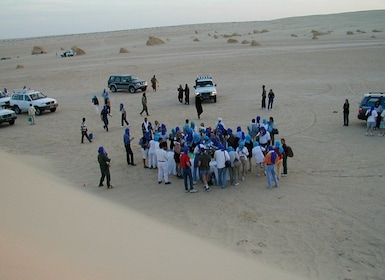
[
  {"x": 113, "y": 88},
  {"x": 16, "y": 109},
  {"x": 131, "y": 89},
  {"x": 12, "y": 122},
  {"x": 144, "y": 88},
  {"x": 215, "y": 99},
  {"x": 38, "y": 111},
  {"x": 52, "y": 110}
]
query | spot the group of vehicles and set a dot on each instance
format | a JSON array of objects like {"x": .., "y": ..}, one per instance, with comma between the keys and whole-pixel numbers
[
  {"x": 204, "y": 85},
  {"x": 20, "y": 99}
]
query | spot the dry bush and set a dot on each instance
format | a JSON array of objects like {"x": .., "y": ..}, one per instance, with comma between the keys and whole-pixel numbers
[
  {"x": 19, "y": 66},
  {"x": 196, "y": 31},
  {"x": 318, "y": 33},
  {"x": 349, "y": 33},
  {"x": 373, "y": 37},
  {"x": 264, "y": 31},
  {"x": 245, "y": 42},
  {"x": 293, "y": 35},
  {"x": 215, "y": 36},
  {"x": 78, "y": 51},
  {"x": 236, "y": 34},
  {"x": 256, "y": 31},
  {"x": 5, "y": 58},
  {"x": 314, "y": 37},
  {"x": 152, "y": 41},
  {"x": 232, "y": 41},
  {"x": 360, "y": 31},
  {"x": 38, "y": 50},
  {"x": 196, "y": 40},
  {"x": 376, "y": 30},
  {"x": 255, "y": 43},
  {"x": 227, "y": 36},
  {"x": 123, "y": 50}
]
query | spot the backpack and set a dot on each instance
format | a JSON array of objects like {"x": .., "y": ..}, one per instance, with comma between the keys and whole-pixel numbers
[{"x": 289, "y": 151}]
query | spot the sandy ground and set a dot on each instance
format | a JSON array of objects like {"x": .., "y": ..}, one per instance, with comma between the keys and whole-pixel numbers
[{"x": 324, "y": 222}]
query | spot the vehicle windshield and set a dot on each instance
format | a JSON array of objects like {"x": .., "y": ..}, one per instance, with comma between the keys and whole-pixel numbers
[
  {"x": 204, "y": 84},
  {"x": 2, "y": 94},
  {"x": 37, "y": 95}
]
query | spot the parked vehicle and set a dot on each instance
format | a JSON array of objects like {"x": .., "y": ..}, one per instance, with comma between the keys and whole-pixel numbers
[
  {"x": 21, "y": 100},
  {"x": 67, "y": 53},
  {"x": 126, "y": 82},
  {"x": 8, "y": 116},
  {"x": 4, "y": 100},
  {"x": 205, "y": 87},
  {"x": 367, "y": 101}
]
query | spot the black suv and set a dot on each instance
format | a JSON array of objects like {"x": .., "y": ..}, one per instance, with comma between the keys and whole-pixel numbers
[
  {"x": 126, "y": 82},
  {"x": 369, "y": 100}
]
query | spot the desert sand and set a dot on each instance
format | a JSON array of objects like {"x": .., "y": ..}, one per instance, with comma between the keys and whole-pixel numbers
[{"x": 325, "y": 221}]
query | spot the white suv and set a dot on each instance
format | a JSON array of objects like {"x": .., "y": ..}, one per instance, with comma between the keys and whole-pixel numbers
[
  {"x": 4, "y": 100},
  {"x": 205, "y": 87},
  {"x": 21, "y": 100}
]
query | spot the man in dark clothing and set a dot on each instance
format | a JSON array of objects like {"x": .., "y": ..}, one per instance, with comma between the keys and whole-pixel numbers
[
  {"x": 187, "y": 95},
  {"x": 198, "y": 105},
  {"x": 127, "y": 144},
  {"x": 104, "y": 163},
  {"x": 263, "y": 97},
  {"x": 180, "y": 93}
]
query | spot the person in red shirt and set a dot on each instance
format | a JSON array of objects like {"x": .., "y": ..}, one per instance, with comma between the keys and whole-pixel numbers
[{"x": 185, "y": 164}]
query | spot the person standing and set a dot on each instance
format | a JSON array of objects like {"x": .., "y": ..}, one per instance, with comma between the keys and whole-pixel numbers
[
  {"x": 243, "y": 154},
  {"x": 127, "y": 144},
  {"x": 104, "y": 116},
  {"x": 234, "y": 168},
  {"x": 146, "y": 126},
  {"x": 346, "y": 112},
  {"x": 263, "y": 98},
  {"x": 124, "y": 115},
  {"x": 104, "y": 163},
  {"x": 271, "y": 97},
  {"x": 154, "y": 83},
  {"x": 198, "y": 105},
  {"x": 186, "y": 95},
  {"x": 144, "y": 104},
  {"x": 84, "y": 131},
  {"x": 284, "y": 157},
  {"x": 371, "y": 120},
  {"x": 221, "y": 156},
  {"x": 31, "y": 113},
  {"x": 270, "y": 159},
  {"x": 379, "y": 109},
  {"x": 259, "y": 157},
  {"x": 204, "y": 166},
  {"x": 95, "y": 101},
  {"x": 180, "y": 93},
  {"x": 185, "y": 164},
  {"x": 382, "y": 124},
  {"x": 162, "y": 158},
  {"x": 144, "y": 143}
]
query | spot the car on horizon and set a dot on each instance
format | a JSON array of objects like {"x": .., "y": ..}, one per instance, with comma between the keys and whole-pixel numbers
[
  {"x": 205, "y": 87},
  {"x": 7, "y": 115},
  {"x": 126, "y": 82},
  {"x": 367, "y": 101},
  {"x": 67, "y": 53},
  {"x": 22, "y": 98}
]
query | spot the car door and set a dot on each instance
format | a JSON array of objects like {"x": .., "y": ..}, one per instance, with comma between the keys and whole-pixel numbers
[
  {"x": 126, "y": 82},
  {"x": 24, "y": 106}
]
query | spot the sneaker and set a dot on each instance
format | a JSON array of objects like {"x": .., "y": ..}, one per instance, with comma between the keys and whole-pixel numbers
[
  {"x": 259, "y": 174},
  {"x": 371, "y": 133},
  {"x": 284, "y": 175},
  {"x": 159, "y": 182},
  {"x": 186, "y": 191},
  {"x": 167, "y": 183},
  {"x": 236, "y": 184},
  {"x": 195, "y": 182},
  {"x": 243, "y": 178},
  {"x": 101, "y": 185},
  {"x": 207, "y": 188},
  {"x": 366, "y": 134},
  {"x": 145, "y": 166},
  {"x": 110, "y": 187},
  {"x": 193, "y": 190},
  {"x": 133, "y": 164},
  {"x": 380, "y": 135}
]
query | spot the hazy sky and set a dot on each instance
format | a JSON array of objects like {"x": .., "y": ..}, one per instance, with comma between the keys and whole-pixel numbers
[{"x": 32, "y": 18}]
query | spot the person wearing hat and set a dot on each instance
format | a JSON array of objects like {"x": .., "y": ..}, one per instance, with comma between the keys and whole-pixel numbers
[
  {"x": 221, "y": 156},
  {"x": 84, "y": 130},
  {"x": 95, "y": 101},
  {"x": 371, "y": 120},
  {"x": 127, "y": 144},
  {"x": 234, "y": 168},
  {"x": 264, "y": 137},
  {"x": 185, "y": 164},
  {"x": 204, "y": 165},
  {"x": 258, "y": 154},
  {"x": 104, "y": 163},
  {"x": 124, "y": 115},
  {"x": 270, "y": 159}
]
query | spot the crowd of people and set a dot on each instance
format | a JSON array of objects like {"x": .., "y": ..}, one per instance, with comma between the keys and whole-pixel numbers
[{"x": 211, "y": 155}]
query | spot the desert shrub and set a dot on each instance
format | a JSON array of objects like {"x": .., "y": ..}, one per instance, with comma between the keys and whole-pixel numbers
[
  {"x": 38, "y": 50},
  {"x": 349, "y": 33},
  {"x": 227, "y": 36},
  {"x": 19, "y": 66},
  {"x": 376, "y": 30},
  {"x": 264, "y": 31},
  {"x": 152, "y": 41},
  {"x": 314, "y": 37},
  {"x": 215, "y": 36},
  {"x": 236, "y": 34},
  {"x": 123, "y": 50},
  {"x": 245, "y": 42},
  {"x": 78, "y": 50},
  {"x": 255, "y": 43},
  {"x": 196, "y": 31},
  {"x": 232, "y": 41},
  {"x": 256, "y": 31},
  {"x": 293, "y": 35},
  {"x": 196, "y": 40}
]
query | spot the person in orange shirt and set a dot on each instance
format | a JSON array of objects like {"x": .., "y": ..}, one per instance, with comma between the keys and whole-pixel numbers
[
  {"x": 270, "y": 160},
  {"x": 185, "y": 164}
]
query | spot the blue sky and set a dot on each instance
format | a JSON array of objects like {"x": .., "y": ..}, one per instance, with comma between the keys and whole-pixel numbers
[{"x": 32, "y": 18}]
